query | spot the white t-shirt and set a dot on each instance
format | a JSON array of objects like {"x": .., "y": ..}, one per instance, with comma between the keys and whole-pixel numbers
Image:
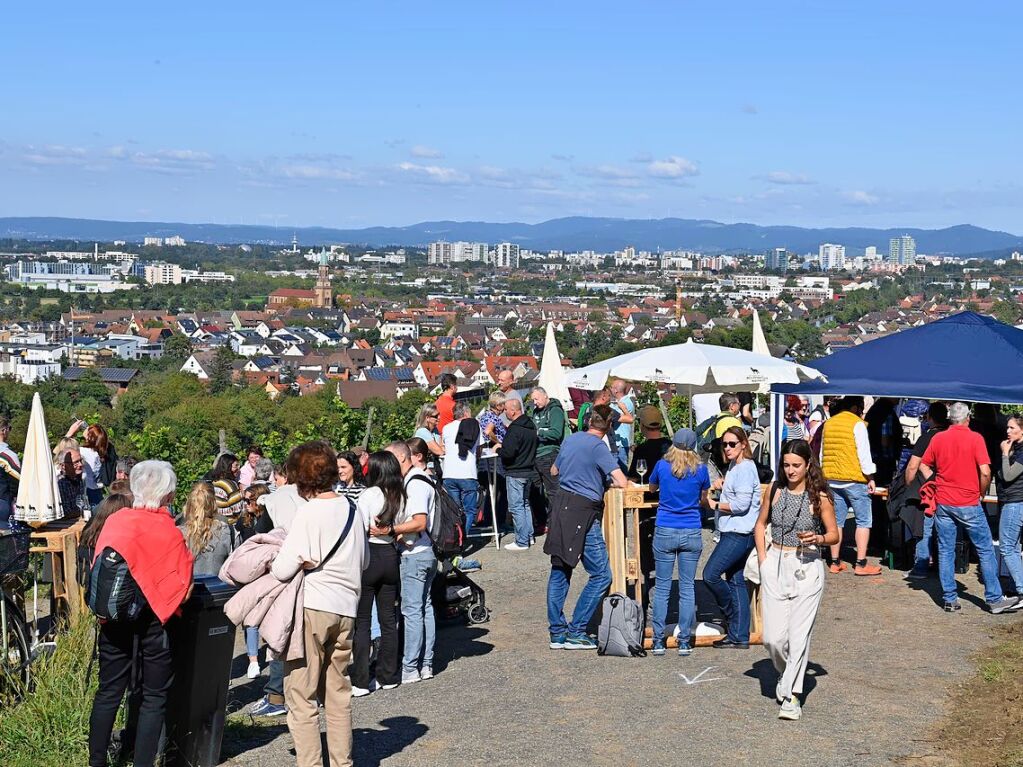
[
  {"x": 455, "y": 467},
  {"x": 371, "y": 505},
  {"x": 92, "y": 466},
  {"x": 282, "y": 505},
  {"x": 420, "y": 499}
]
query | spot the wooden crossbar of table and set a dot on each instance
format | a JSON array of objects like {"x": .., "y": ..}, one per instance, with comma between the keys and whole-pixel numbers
[{"x": 61, "y": 546}]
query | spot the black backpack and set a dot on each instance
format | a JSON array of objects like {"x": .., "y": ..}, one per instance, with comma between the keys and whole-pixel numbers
[
  {"x": 111, "y": 592},
  {"x": 447, "y": 531}
]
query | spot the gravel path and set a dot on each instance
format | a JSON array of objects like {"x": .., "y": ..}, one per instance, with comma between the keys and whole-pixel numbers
[{"x": 882, "y": 657}]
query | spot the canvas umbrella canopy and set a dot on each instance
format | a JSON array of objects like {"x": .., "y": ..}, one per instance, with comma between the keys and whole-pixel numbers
[
  {"x": 38, "y": 498},
  {"x": 694, "y": 368},
  {"x": 552, "y": 374}
]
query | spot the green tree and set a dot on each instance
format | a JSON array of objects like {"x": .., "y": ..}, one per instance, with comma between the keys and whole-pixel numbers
[
  {"x": 178, "y": 348},
  {"x": 221, "y": 372}
]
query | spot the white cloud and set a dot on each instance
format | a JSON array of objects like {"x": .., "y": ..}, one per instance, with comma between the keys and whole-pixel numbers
[
  {"x": 859, "y": 197},
  {"x": 785, "y": 177},
  {"x": 673, "y": 167},
  {"x": 173, "y": 161},
  {"x": 425, "y": 152},
  {"x": 436, "y": 174},
  {"x": 305, "y": 171},
  {"x": 55, "y": 154}
]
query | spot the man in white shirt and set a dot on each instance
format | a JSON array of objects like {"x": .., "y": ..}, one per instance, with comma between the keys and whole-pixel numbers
[
  {"x": 461, "y": 440},
  {"x": 418, "y": 568}
]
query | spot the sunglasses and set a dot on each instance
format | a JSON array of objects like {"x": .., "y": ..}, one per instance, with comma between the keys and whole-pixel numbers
[{"x": 729, "y": 444}]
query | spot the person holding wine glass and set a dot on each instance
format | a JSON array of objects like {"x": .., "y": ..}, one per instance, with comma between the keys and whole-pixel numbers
[
  {"x": 801, "y": 511},
  {"x": 682, "y": 481}
]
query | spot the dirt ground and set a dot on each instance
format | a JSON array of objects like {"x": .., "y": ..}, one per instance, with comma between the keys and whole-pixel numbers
[{"x": 883, "y": 661}]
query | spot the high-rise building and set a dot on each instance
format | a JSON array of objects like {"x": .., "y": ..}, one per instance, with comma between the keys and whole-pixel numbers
[
  {"x": 506, "y": 256},
  {"x": 777, "y": 259},
  {"x": 442, "y": 253},
  {"x": 831, "y": 256},
  {"x": 870, "y": 253},
  {"x": 163, "y": 274},
  {"x": 902, "y": 250}
]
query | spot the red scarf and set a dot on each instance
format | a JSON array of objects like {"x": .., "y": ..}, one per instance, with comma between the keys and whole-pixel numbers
[{"x": 155, "y": 551}]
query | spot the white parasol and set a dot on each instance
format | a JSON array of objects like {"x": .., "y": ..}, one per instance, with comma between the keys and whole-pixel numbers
[
  {"x": 38, "y": 499},
  {"x": 695, "y": 368},
  {"x": 759, "y": 339},
  {"x": 552, "y": 374}
]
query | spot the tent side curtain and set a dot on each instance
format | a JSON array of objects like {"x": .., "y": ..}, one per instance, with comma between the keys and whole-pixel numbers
[{"x": 965, "y": 357}]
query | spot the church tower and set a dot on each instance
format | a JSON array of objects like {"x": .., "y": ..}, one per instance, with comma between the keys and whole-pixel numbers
[{"x": 324, "y": 298}]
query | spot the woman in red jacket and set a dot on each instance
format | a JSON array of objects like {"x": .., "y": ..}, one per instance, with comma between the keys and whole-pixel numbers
[{"x": 161, "y": 565}]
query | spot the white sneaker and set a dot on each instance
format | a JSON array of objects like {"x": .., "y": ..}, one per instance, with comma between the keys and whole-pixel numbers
[
  {"x": 777, "y": 692},
  {"x": 389, "y": 686},
  {"x": 790, "y": 709},
  {"x": 513, "y": 546},
  {"x": 360, "y": 692},
  {"x": 427, "y": 673},
  {"x": 410, "y": 677},
  {"x": 253, "y": 670}
]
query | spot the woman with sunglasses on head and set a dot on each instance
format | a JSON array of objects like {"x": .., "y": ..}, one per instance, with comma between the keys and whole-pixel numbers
[
  {"x": 736, "y": 512},
  {"x": 801, "y": 512}
]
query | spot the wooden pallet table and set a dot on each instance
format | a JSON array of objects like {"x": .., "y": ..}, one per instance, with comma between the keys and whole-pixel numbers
[
  {"x": 60, "y": 545},
  {"x": 624, "y": 510}
]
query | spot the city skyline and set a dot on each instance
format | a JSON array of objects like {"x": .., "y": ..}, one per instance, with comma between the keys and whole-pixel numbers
[{"x": 352, "y": 117}]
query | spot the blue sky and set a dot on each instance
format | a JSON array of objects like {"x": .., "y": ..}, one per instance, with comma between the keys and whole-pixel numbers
[{"x": 345, "y": 114}]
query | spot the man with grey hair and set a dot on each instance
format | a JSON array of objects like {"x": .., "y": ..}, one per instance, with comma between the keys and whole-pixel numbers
[
  {"x": 962, "y": 473},
  {"x": 550, "y": 420}
]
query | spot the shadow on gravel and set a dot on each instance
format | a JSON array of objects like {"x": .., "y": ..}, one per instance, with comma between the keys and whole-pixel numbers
[
  {"x": 763, "y": 671},
  {"x": 371, "y": 747},
  {"x": 456, "y": 640},
  {"x": 932, "y": 587}
]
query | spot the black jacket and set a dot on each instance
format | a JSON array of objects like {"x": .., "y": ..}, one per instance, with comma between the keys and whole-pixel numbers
[
  {"x": 1010, "y": 490},
  {"x": 570, "y": 520},
  {"x": 518, "y": 450}
]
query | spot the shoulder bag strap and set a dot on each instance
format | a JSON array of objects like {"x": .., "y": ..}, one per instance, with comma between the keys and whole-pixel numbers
[{"x": 344, "y": 534}]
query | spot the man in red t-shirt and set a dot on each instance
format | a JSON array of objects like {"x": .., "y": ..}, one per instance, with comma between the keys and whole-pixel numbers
[
  {"x": 959, "y": 459},
  {"x": 446, "y": 401}
]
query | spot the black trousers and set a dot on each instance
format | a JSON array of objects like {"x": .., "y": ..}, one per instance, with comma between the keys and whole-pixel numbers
[
  {"x": 380, "y": 583},
  {"x": 548, "y": 485},
  {"x": 119, "y": 643}
]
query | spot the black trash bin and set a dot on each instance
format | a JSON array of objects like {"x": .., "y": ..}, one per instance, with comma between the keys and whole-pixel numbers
[{"x": 202, "y": 644}]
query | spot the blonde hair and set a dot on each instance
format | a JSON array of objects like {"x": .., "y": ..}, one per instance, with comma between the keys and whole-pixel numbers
[
  {"x": 200, "y": 512},
  {"x": 64, "y": 444},
  {"x": 683, "y": 462}
]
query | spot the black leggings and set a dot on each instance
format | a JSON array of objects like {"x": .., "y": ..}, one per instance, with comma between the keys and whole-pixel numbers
[
  {"x": 119, "y": 642},
  {"x": 380, "y": 582}
]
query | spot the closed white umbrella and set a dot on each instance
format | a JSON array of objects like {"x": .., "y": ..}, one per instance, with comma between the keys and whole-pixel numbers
[
  {"x": 38, "y": 499},
  {"x": 697, "y": 368},
  {"x": 552, "y": 374},
  {"x": 759, "y": 339}
]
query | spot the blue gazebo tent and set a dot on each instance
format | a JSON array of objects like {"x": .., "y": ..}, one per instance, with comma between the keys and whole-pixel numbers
[{"x": 967, "y": 357}]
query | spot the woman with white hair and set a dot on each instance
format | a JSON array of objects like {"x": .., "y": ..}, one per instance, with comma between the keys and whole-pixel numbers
[{"x": 145, "y": 537}]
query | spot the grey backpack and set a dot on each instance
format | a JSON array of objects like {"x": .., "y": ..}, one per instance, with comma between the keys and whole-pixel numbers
[{"x": 621, "y": 628}]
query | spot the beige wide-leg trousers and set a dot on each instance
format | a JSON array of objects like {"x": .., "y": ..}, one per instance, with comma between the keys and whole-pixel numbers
[
  {"x": 791, "y": 588},
  {"x": 328, "y": 651}
]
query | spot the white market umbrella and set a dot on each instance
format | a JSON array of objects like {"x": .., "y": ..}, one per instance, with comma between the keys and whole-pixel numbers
[
  {"x": 695, "y": 368},
  {"x": 38, "y": 498},
  {"x": 552, "y": 374},
  {"x": 759, "y": 339}
]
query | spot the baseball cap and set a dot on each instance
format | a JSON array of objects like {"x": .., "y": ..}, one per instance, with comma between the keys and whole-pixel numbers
[
  {"x": 650, "y": 417},
  {"x": 685, "y": 439}
]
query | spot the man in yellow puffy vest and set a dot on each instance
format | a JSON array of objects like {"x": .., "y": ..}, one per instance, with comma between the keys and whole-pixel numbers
[{"x": 849, "y": 469}]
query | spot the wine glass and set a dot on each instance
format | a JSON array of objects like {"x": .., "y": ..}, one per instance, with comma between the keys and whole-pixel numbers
[{"x": 641, "y": 469}]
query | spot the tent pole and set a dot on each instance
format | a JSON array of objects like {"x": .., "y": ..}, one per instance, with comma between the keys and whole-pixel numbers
[
  {"x": 777, "y": 425},
  {"x": 690, "y": 406}
]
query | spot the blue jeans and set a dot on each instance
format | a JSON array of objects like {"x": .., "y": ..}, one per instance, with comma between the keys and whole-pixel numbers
[
  {"x": 6, "y": 514},
  {"x": 518, "y": 505},
  {"x": 597, "y": 565},
  {"x": 274, "y": 689},
  {"x": 1009, "y": 529},
  {"x": 623, "y": 453},
  {"x": 922, "y": 556},
  {"x": 853, "y": 496},
  {"x": 466, "y": 493},
  {"x": 684, "y": 545},
  {"x": 728, "y": 560},
  {"x": 417, "y": 574},
  {"x": 974, "y": 522},
  {"x": 252, "y": 640}
]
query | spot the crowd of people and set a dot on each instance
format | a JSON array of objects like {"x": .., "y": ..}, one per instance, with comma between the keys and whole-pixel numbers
[{"x": 349, "y": 531}]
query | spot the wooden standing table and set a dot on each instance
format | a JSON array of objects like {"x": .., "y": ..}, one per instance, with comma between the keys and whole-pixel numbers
[
  {"x": 60, "y": 545},
  {"x": 624, "y": 510}
]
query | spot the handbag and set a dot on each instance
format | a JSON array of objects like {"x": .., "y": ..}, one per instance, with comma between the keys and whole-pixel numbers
[{"x": 751, "y": 571}]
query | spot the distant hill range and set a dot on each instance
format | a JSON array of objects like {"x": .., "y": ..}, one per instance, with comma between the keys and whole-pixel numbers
[{"x": 572, "y": 234}]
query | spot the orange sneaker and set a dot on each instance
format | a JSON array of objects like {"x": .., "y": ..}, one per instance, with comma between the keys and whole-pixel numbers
[
  {"x": 837, "y": 567},
  {"x": 866, "y": 569}
]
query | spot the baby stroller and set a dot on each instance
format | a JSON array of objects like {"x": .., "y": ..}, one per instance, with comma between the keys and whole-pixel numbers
[{"x": 455, "y": 595}]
